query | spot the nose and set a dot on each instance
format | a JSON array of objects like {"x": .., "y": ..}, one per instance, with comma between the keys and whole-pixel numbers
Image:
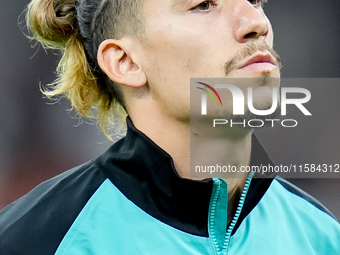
[{"x": 250, "y": 22}]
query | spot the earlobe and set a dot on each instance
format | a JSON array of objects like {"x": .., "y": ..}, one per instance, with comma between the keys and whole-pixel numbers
[{"x": 115, "y": 60}]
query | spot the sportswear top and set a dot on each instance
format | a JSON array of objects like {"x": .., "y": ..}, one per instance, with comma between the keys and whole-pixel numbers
[{"x": 131, "y": 201}]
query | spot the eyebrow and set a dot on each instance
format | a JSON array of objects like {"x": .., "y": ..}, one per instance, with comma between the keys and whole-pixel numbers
[{"x": 175, "y": 2}]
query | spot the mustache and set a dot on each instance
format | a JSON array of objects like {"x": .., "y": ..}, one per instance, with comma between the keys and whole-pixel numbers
[{"x": 248, "y": 51}]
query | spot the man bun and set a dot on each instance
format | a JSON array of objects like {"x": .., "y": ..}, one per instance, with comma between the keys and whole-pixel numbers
[
  {"x": 77, "y": 28},
  {"x": 53, "y": 22}
]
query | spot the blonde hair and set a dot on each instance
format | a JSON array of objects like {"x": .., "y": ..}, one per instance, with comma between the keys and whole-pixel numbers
[{"x": 77, "y": 29}]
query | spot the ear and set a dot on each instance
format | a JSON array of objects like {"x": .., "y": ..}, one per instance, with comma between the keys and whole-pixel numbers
[{"x": 116, "y": 61}]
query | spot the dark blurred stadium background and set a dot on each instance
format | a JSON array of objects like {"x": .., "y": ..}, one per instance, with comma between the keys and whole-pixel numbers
[{"x": 39, "y": 140}]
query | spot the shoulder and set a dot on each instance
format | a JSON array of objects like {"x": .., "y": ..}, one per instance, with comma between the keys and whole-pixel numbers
[
  {"x": 300, "y": 195},
  {"x": 37, "y": 222},
  {"x": 303, "y": 216},
  {"x": 287, "y": 220}
]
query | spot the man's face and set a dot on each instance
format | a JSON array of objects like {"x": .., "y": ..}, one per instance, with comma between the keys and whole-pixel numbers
[{"x": 193, "y": 38}]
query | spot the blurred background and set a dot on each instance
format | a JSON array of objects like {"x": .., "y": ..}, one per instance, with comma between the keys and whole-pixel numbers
[{"x": 38, "y": 139}]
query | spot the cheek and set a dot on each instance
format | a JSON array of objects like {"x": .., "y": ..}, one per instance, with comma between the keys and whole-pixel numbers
[
  {"x": 170, "y": 58},
  {"x": 165, "y": 63},
  {"x": 175, "y": 59}
]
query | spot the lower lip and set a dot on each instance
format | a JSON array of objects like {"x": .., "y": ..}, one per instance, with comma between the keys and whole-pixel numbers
[{"x": 259, "y": 67}]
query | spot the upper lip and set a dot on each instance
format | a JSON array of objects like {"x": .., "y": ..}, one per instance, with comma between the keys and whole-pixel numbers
[{"x": 259, "y": 58}]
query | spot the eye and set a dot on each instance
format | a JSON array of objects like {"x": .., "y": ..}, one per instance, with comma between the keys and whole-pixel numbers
[
  {"x": 257, "y": 3},
  {"x": 204, "y": 6}
]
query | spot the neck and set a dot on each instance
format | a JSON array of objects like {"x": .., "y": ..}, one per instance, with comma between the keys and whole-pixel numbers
[{"x": 188, "y": 145}]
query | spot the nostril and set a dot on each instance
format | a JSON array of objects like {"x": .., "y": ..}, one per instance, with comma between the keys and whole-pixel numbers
[{"x": 250, "y": 35}]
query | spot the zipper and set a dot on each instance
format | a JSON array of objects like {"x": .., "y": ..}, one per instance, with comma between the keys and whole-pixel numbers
[
  {"x": 220, "y": 184},
  {"x": 212, "y": 210}
]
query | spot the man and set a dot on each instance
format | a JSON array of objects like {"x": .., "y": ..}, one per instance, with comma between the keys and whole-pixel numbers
[{"x": 138, "y": 197}]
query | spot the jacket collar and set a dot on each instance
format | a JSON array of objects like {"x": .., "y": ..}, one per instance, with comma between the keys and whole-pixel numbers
[{"x": 146, "y": 175}]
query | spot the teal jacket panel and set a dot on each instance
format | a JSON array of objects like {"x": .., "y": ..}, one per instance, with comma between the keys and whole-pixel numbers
[
  {"x": 112, "y": 224},
  {"x": 284, "y": 223}
]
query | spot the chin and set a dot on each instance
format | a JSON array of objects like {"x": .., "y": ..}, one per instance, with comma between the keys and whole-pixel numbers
[
  {"x": 264, "y": 75},
  {"x": 263, "y": 97}
]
